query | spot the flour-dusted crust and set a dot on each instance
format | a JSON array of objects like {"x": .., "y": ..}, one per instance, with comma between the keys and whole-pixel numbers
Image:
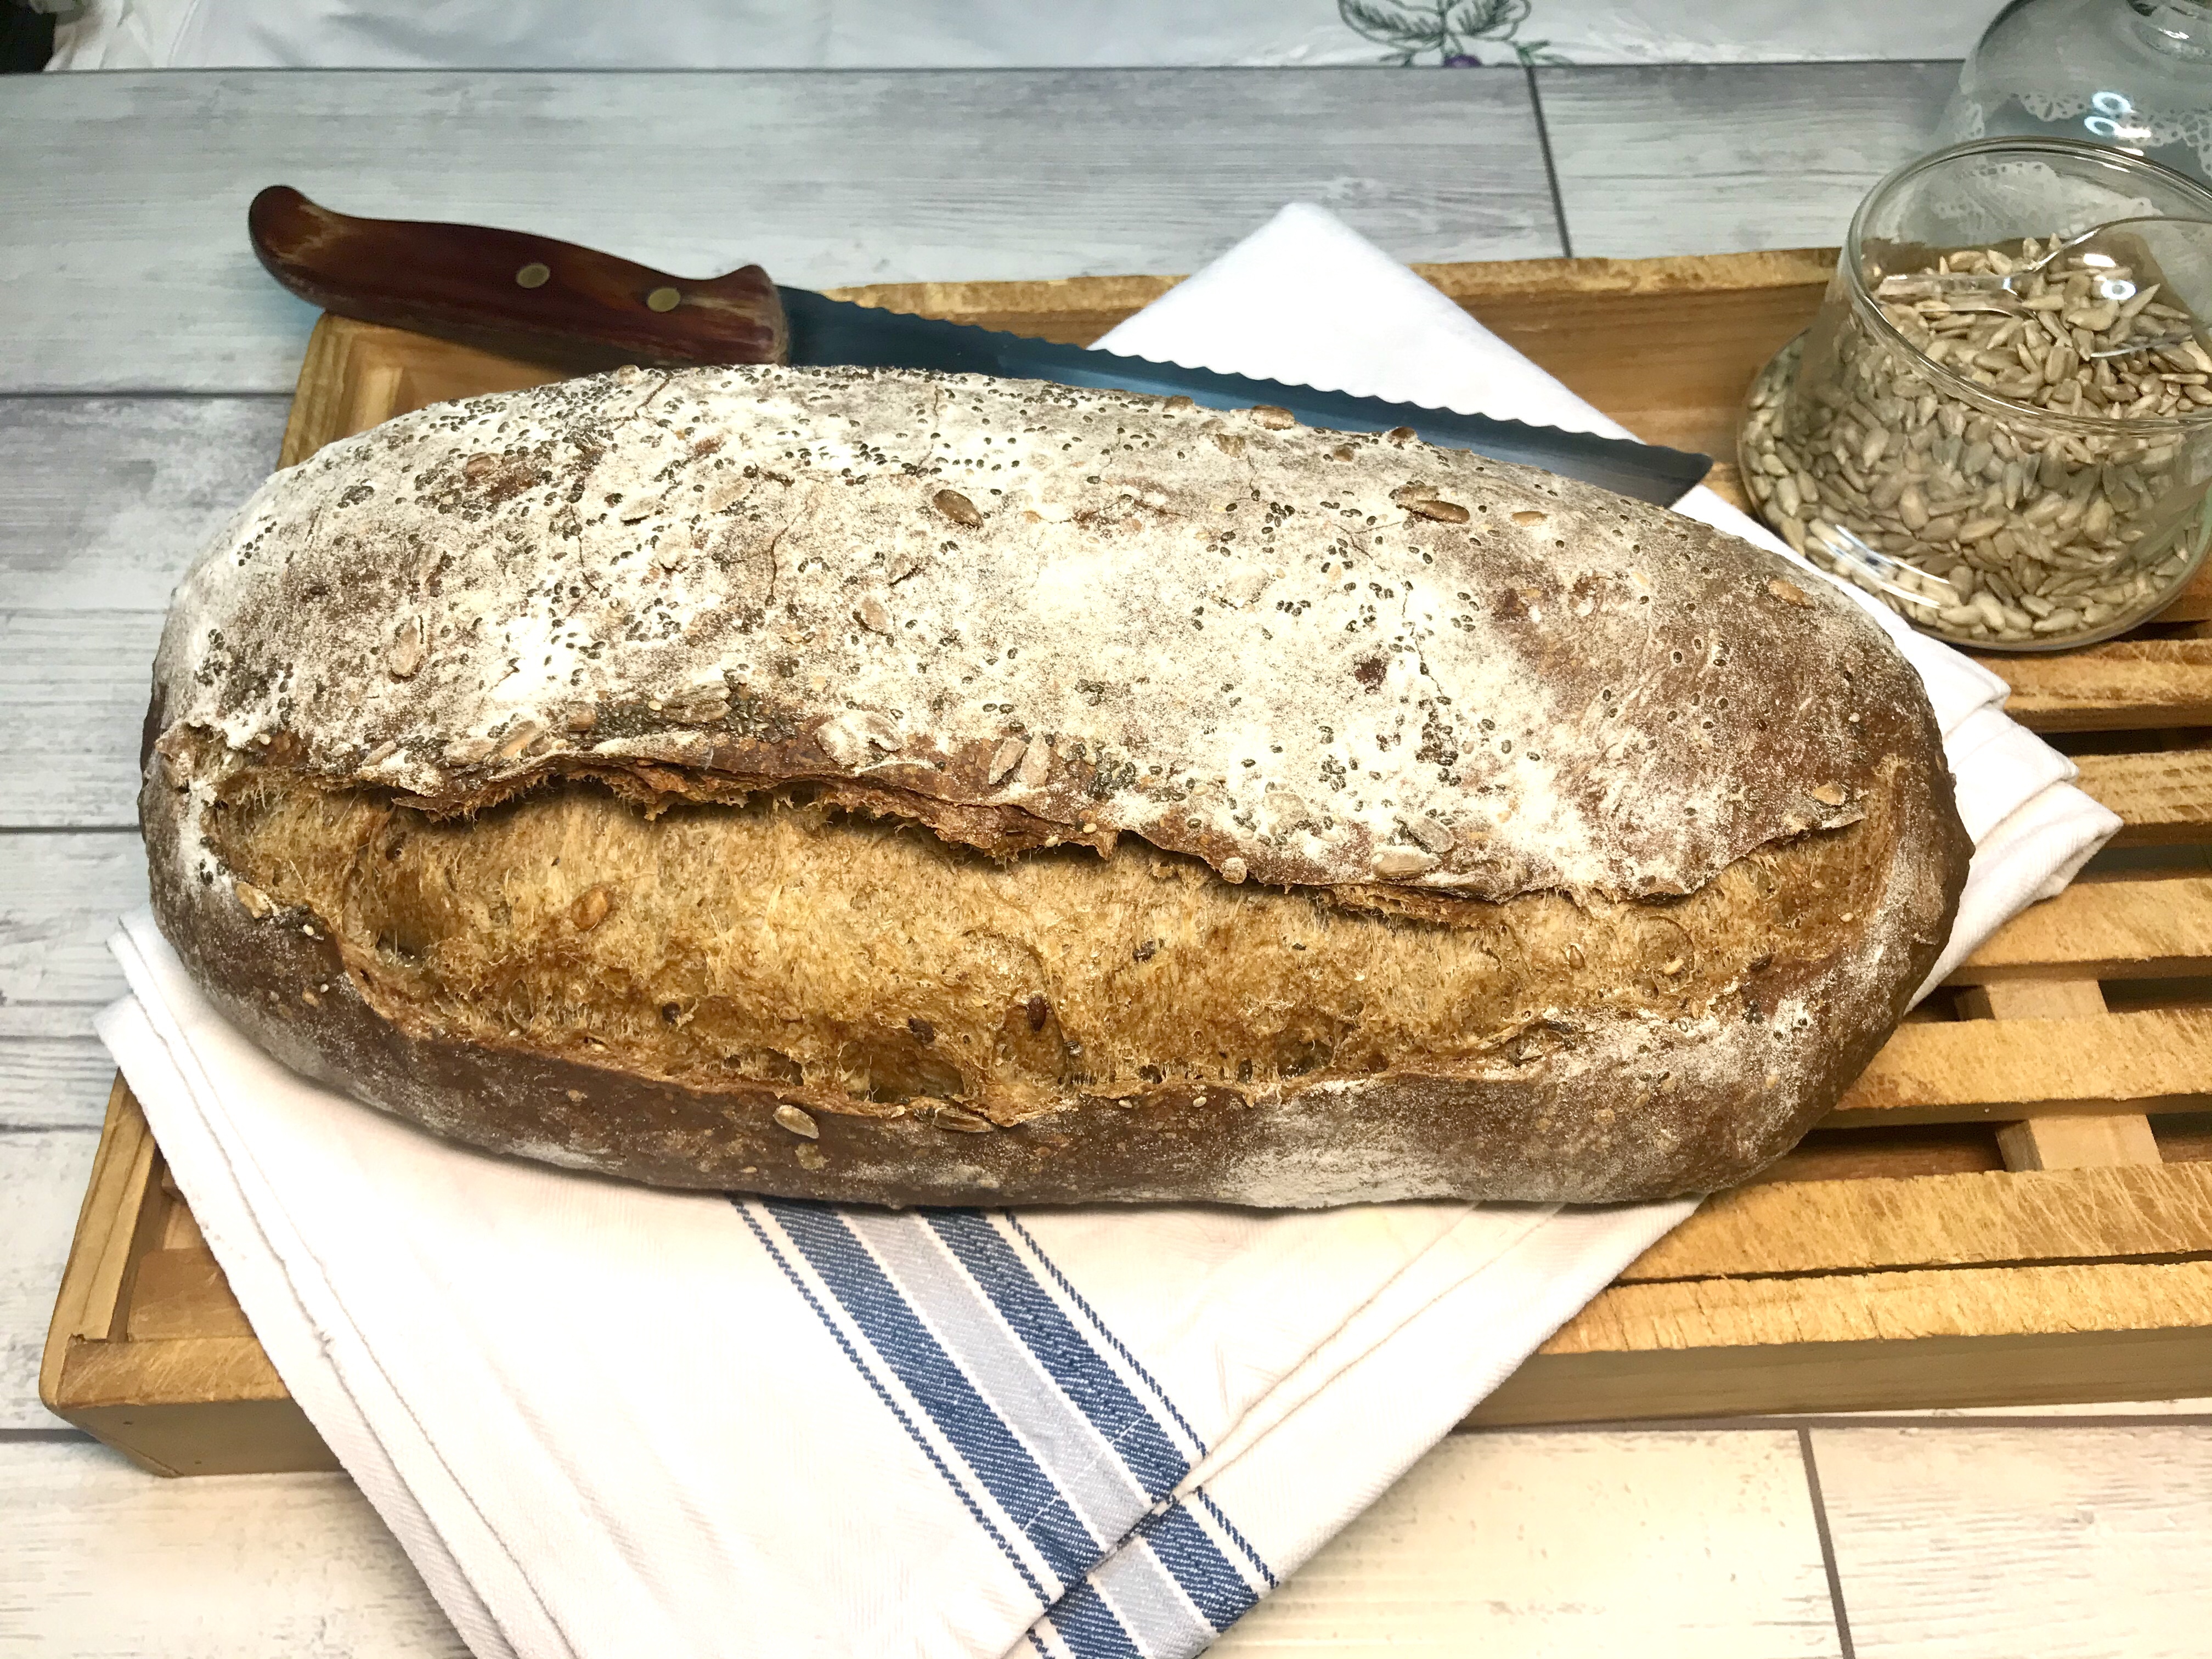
[{"x": 1025, "y": 616}]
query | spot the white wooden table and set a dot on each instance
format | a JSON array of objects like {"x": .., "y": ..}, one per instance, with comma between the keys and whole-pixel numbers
[{"x": 144, "y": 362}]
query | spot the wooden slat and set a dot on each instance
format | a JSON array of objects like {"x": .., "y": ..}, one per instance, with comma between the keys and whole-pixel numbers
[
  {"x": 2119, "y": 686},
  {"x": 2194, "y": 603},
  {"x": 2163, "y": 797},
  {"x": 2059, "y": 1143},
  {"x": 2154, "y": 929},
  {"x": 2159, "y": 1061},
  {"x": 2078, "y": 1143},
  {"x": 107, "y": 499},
  {"x": 1959, "y": 1336},
  {"x": 183, "y": 1293},
  {"x": 1974, "y": 1301},
  {"x": 1930, "y": 1221}
]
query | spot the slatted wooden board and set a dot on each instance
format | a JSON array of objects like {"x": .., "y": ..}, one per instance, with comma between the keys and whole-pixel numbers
[{"x": 2011, "y": 1205}]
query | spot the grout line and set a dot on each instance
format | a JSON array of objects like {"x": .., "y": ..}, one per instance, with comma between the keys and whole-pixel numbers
[
  {"x": 43, "y": 1437},
  {"x": 1828, "y": 1542},
  {"x": 69, "y": 829},
  {"x": 1551, "y": 168},
  {"x": 7, "y": 1129}
]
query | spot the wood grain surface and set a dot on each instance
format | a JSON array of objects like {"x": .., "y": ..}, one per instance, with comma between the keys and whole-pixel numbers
[
  {"x": 1543, "y": 1546},
  {"x": 42, "y": 1180},
  {"x": 98, "y": 1558},
  {"x": 1687, "y": 159},
  {"x": 2155, "y": 1060},
  {"x": 122, "y": 229},
  {"x": 1989, "y": 1543}
]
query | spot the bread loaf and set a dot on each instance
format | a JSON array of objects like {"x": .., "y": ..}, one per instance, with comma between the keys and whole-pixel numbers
[{"x": 885, "y": 787}]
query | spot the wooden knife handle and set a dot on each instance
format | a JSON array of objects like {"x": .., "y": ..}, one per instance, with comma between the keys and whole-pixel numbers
[{"x": 521, "y": 295}]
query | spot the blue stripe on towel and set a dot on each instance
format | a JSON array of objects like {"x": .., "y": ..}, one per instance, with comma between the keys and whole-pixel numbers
[
  {"x": 1082, "y": 1373},
  {"x": 1197, "y": 1565},
  {"x": 1213, "y": 1583},
  {"x": 1221, "y": 1519},
  {"x": 1001, "y": 1461},
  {"x": 1113, "y": 1341},
  {"x": 1082, "y": 1620},
  {"x": 884, "y": 1395}
]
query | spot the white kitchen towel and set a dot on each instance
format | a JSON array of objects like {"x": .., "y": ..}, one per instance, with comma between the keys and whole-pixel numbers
[{"x": 605, "y": 1420}]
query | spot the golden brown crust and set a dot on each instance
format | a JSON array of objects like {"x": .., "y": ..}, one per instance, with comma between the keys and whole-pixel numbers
[{"x": 1587, "y": 730}]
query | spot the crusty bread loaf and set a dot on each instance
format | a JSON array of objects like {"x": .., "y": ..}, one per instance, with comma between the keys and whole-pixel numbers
[{"x": 886, "y": 787}]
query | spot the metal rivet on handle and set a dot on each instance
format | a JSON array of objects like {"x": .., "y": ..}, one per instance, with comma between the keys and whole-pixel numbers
[
  {"x": 533, "y": 275},
  {"x": 663, "y": 299}
]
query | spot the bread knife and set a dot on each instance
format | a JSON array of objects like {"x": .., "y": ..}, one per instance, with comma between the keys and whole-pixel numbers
[{"x": 571, "y": 307}]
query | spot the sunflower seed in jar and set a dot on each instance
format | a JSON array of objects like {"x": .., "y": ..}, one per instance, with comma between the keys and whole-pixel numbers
[{"x": 2002, "y": 465}]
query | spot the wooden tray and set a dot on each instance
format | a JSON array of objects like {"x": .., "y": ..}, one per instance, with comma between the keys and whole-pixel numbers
[{"x": 2013, "y": 1206}]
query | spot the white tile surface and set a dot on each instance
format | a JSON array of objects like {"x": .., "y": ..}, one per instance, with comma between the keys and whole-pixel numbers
[
  {"x": 100, "y": 1560},
  {"x": 2001, "y": 1543},
  {"x": 1504, "y": 1544},
  {"x": 42, "y": 1178},
  {"x": 123, "y": 197},
  {"x": 1723, "y": 157}
]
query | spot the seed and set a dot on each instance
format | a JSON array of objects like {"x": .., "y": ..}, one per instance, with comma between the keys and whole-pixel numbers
[
  {"x": 1790, "y": 594},
  {"x": 1441, "y": 511},
  {"x": 1972, "y": 502},
  {"x": 1395, "y": 861},
  {"x": 792, "y": 1118},
  {"x": 590, "y": 909},
  {"x": 1276, "y": 419},
  {"x": 946, "y": 1115},
  {"x": 519, "y": 739},
  {"x": 1005, "y": 757},
  {"x": 405, "y": 656},
  {"x": 957, "y": 506}
]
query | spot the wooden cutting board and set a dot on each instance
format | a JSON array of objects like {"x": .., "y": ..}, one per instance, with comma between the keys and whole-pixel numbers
[{"x": 2011, "y": 1205}]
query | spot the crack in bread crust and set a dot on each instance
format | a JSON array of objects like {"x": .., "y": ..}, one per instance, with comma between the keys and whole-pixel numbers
[
  {"x": 1029, "y": 614},
  {"x": 1149, "y": 696},
  {"x": 857, "y": 966}
]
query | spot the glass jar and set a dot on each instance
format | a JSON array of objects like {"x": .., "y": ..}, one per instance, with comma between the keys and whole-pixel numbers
[
  {"x": 2133, "y": 74},
  {"x": 2008, "y": 447}
]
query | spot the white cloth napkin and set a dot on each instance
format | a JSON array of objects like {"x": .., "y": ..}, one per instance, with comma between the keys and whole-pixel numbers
[{"x": 605, "y": 1420}]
